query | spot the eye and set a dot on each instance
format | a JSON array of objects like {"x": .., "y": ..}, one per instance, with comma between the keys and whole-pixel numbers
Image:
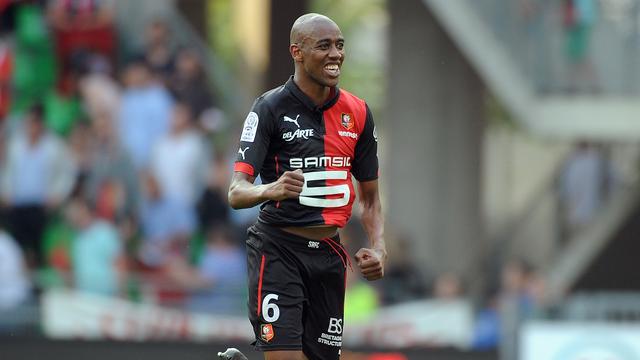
[
  {"x": 323, "y": 46},
  {"x": 340, "y": 46}
]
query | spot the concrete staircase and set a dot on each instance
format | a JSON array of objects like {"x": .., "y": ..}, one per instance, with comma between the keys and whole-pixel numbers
[{"x": 603, "y": 116}]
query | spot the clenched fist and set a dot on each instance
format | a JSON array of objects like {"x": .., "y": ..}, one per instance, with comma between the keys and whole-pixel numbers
[
  {"x": 371, "y": 263},
  {"x": 288, "y": 186}
]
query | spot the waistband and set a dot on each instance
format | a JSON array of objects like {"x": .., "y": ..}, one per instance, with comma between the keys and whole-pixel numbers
[{"x": 333, "y": 243}]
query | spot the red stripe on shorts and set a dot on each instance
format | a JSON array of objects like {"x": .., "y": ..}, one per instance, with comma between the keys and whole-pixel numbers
[{"x": 260, "y": 286}]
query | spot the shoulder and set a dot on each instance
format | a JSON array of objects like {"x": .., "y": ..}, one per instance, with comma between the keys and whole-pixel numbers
[
  {"x": 353, "y": 110},
  {"x": 351, "y": 98},
  {"x": 273, "y": 98}
]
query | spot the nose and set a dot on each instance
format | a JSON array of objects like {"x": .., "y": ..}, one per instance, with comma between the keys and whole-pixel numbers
[{"x": 335, "y": 53}]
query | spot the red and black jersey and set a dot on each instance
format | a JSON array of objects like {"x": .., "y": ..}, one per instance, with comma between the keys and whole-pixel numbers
[{"x": 285, "y": 131}]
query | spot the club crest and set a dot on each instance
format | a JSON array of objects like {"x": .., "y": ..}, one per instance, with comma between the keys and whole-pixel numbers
[{"x": 346, "y": 119}]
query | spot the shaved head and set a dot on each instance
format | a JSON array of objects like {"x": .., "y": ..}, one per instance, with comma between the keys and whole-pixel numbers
[
  {"x": 304, "y": 26},
  {"x": 317, "y": 50}
]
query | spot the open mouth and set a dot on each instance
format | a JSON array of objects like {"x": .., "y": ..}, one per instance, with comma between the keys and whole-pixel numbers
[{"x": 332, "y": 69}]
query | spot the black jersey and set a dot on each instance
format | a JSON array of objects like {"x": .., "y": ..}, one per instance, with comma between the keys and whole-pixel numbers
[{"x": 285, "y": 131}]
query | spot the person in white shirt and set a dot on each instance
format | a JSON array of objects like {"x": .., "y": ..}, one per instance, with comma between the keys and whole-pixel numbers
[
  {"x": 38, "y": 174},
  {"x": 179, "y": 159},
  {"x": 14, "y": 279}
]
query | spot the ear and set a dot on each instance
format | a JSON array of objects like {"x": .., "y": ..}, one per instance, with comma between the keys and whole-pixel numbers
[{"x": 296, "y": 52}]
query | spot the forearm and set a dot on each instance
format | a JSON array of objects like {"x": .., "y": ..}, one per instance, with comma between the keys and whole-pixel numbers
[
  {"x": 245, "y": 195},
  {"x": 373, "y": 223}
]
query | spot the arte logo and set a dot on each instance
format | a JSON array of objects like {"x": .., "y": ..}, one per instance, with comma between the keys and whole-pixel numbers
[
  {"x": 266, "y": 332},
  {"x": 298, "y": 134},
  {"x": 346, "y": 119}
]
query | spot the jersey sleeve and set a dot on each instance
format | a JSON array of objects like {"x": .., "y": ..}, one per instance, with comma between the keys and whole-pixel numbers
[
  {"x": 365, "y": 165},
  {"x": 255, "y": 139}
]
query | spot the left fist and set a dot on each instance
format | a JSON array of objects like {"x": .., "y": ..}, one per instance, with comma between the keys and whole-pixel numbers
[{"x": 371, "y": 263}]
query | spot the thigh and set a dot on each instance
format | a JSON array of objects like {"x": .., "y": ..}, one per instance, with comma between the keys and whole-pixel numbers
[
  {"x": 276, "y": 295},
  {"x": 323, "y": 318}
]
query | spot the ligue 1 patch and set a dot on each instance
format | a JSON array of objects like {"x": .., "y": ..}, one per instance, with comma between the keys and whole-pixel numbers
[
  {"x": 250, "y": 127},
  {"x": 266, "y": 332},
  {"x": 346, "y": 119}
]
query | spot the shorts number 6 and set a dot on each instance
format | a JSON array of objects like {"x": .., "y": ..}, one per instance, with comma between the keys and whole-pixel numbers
[{"x": 270, "y": 311}]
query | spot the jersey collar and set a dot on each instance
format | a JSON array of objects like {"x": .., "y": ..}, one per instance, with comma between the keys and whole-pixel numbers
[{"x": 295, "y": 90}]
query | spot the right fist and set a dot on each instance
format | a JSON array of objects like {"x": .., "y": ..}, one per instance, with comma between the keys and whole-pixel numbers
[{"x": 288, "y": 186}]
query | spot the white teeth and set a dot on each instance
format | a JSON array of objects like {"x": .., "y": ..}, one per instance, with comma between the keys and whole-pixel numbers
[{"x": 331, "y": 67}]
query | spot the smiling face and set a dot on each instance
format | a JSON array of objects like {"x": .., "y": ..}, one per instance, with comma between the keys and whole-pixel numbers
[{"x": 317, "y": 48}]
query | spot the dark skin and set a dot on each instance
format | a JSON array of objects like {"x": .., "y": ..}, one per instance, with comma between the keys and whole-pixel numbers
[{"x": 317, "y": 49}]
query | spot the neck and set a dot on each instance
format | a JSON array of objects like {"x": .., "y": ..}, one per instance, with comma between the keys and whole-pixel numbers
[{"x": 316, "y": 92}]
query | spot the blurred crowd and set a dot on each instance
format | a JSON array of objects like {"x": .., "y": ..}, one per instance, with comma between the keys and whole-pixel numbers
[{"x": 110, "y": 178}]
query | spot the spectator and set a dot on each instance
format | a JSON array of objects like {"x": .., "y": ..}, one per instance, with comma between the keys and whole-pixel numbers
[
  {"x": 403, "y": 281},
  {"x": 167, "y": 226},
  {"x": 213, "y": 207},
  {"x": 7, "y": 16},
  {"x": 6, "y": 65},
  {"x": 38, "y": 175},
  {"x": 584, "y": 181},
  {"x": 112, "y": 182},
  {"x": 145, "y": 110},
  {"x": 580, "y": 16},
  {"x": 79, "y": 143},
  {"x": 14, "y": 279},
  {"x": 82, "y": 26},
  {"x": 189, "y": 83},
  {"x": 177, "y": 159},
  {"x": 448, "y": 286},
  {"x": 486, "y": 332},
  {"x": 100, "y": 94},
  {"x": 515, "y": 305},
  {"x": 99, "y": 263},
  {"x": 217, "y": 283},
  {"x": 158, "y": 51}
]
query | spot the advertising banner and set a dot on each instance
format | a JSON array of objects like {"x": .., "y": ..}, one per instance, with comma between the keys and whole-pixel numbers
[
  {"x": 580, "y": 341},
  {"x": 73, "y": 315}
]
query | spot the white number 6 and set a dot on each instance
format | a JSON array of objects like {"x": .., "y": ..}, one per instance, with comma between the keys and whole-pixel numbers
[
  {"x": 307, "y": 192},
  {"x": 270, "y": 312}
]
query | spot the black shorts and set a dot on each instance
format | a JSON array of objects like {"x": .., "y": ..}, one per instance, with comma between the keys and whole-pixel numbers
[{"x": 296, "y": 292}]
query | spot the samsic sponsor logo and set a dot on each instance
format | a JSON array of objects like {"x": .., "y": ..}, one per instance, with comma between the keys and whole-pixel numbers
[
  {"x": 320, "y": 161},
  {"x": 299, "y": 133},
  {"x": 348, "y": 134}
]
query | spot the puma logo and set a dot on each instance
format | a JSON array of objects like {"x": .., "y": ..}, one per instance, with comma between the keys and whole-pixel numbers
[
  {"x": 241, "y": 152},
  {"x": 295, "y": 121}
]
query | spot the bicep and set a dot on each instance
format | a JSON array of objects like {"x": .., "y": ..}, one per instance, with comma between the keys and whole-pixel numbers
[
  {"x": 365, "y": 167},
  {"x": 240, "y": 178},
  {"x": 255, "y": 139},
  {"x": 369, "y": 192}
]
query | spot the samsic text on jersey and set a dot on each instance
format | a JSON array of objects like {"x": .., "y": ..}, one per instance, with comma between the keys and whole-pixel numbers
[{"x": 285, "y": 131}]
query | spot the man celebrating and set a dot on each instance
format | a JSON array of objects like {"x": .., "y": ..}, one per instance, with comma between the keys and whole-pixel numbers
[{"x": 306, "y": 139}]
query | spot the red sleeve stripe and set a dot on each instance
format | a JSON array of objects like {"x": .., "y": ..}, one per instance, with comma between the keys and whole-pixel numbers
[{"x": 244, "y": 167}]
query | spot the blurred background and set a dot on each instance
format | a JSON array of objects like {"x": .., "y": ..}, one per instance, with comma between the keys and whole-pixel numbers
[{"x": 509, "y": 148}]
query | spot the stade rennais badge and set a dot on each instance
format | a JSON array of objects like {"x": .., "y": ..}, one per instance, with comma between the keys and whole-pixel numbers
[
  {"x": 266, "y": 332},
  {"x": 346, "y": 119}
]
